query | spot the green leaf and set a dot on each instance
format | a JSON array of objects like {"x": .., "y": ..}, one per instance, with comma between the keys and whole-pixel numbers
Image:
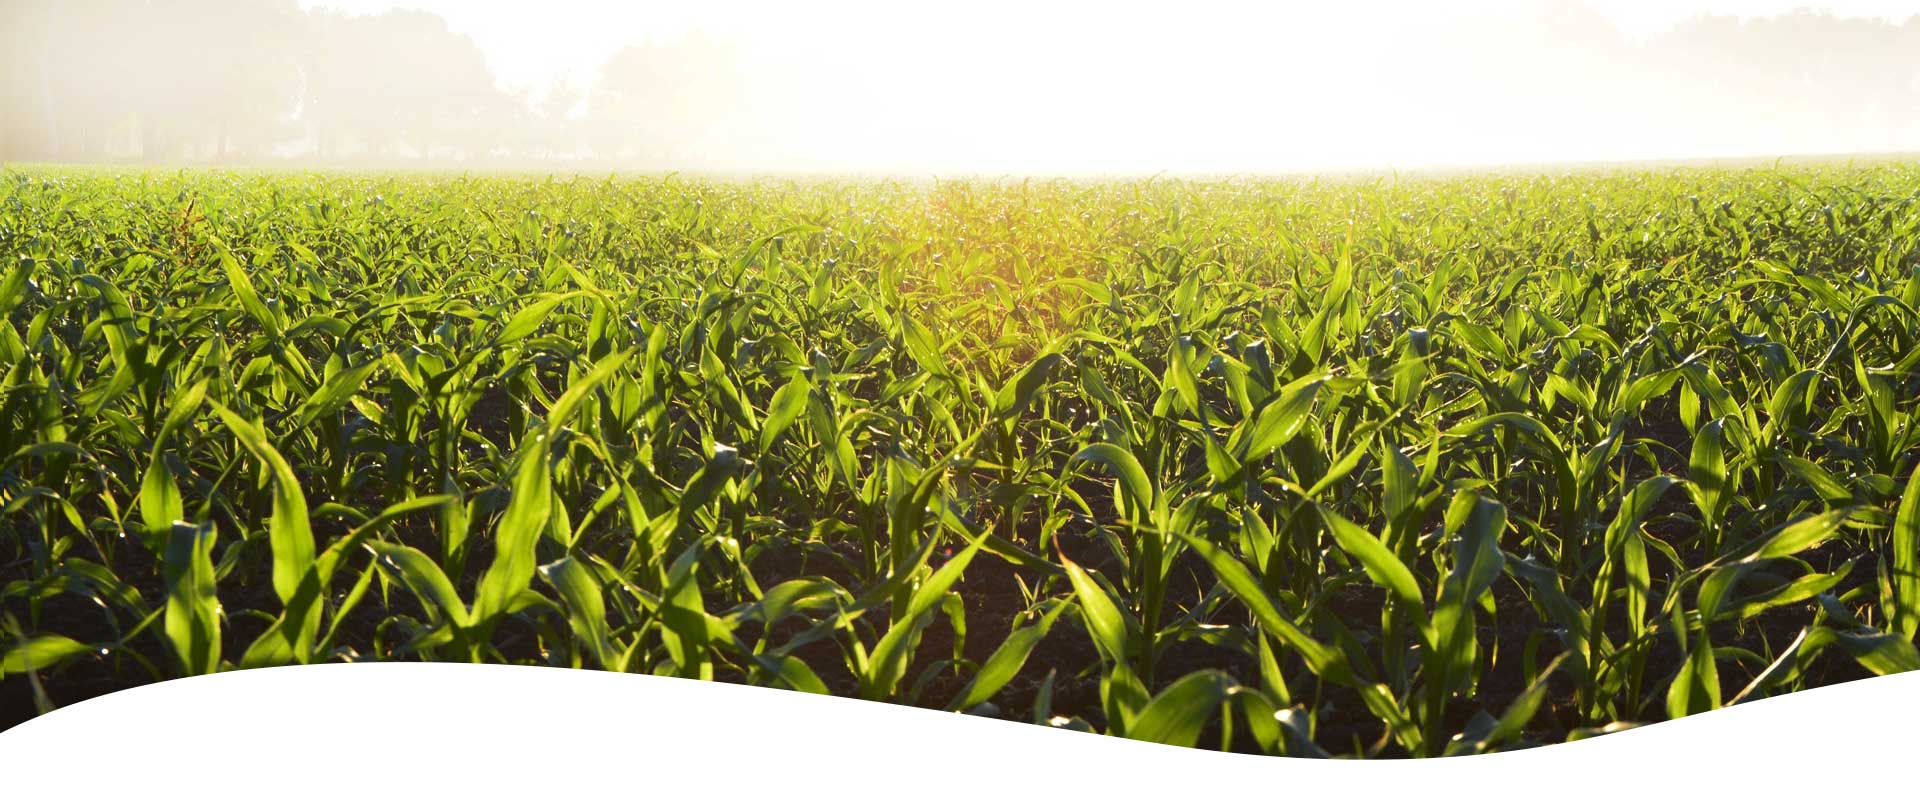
[
  {"x": 1634, "y": 509},
  {"x": 1824, "y": 484},
  {"x": 1707, "y": 469},
  {"x": 561, "y": 413},
  {"x": 192, "y": 620},
  {"x": 39, "y": 652},
  {"x": 1279, "y": 420},
  {"x": 15, "y": 285},
  {"x": 1104, "y": 622},
  {"x": 1521, "y": 710},
  {"x": 1327, "y": 662},
  {"x": 422, "y": 576},
  {"x": 288, "y": 529},
  {"x": 531, "y": 501},
  {"x": 586, "y": 610},
  {"x": 1906, "y": 561},
  {"x": 1178, "y": 714},
  {"x": 1385, "y": 569},
  {"x": 1800, "y": 536},
  {"x": 160, "y": 502},
  {"x": 795, "y": 672},
  {"x": 242, "y": 286},
  {"x": 334, "y": 392},
  {"x": 787, "y": 405},
  {"x": 707, "y": 482},
  {"x": 922, "y": 345},
  {"x": 1477, "y": 523},
  {"x": 291, "y": 636},
  {"x": 1179, "y": 375},
  {"x": 1880, "y": 652},
  {"x": 1696, "y": 688},
  {"x": 528, "y": 319},
  {"x": 688, "y": 632},
  {"x": 519, "y": 529},
  {"x": 1013, "y": 398},
  {"x": 1521, "y": 421},
  {"x": 1006, "y": 661},
  {"x": 1135, "y": 488},
  {"x": 1792, "y": 391},
  {"x": 890, "y": 657},
  {"x": 1380, "y": 701}
]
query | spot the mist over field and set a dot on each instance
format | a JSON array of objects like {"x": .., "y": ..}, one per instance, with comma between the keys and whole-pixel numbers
[{"x": 992, "y": 87}]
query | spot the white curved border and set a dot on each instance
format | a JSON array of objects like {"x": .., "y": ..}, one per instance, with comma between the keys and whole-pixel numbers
[{"x": 438, "y": 729}]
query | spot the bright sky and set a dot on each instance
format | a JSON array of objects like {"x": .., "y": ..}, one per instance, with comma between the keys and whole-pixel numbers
[
  {"x": 1641, "y": 17},
  {"x": 1056, "y": 85},
  {"x": 533, "y": 44}
]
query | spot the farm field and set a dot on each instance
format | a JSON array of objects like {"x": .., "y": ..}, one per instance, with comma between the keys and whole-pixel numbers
[{"x": 1360, "y": 467}]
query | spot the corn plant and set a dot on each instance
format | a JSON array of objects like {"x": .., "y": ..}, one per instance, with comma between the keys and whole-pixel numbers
[{"x": 1412, "y": 467}]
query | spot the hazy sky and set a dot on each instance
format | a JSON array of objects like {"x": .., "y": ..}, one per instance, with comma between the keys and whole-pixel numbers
[
  {"x": 1202, "y": 85},
  {"x": 531, "y": 44}
]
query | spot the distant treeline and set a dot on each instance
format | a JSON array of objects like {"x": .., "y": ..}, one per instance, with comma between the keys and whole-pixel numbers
[
  {"x": 183, "y": 81},
  {"x": 251, "y": 80}
]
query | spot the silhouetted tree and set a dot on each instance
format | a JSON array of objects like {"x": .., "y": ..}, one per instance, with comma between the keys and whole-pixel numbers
[
  {"x": 400, "y": 80},
  {"x": 658, "y": 102}
]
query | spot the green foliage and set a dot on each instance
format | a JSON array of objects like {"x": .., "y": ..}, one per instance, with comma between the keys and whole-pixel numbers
[{"x": 1413, "y": 467}]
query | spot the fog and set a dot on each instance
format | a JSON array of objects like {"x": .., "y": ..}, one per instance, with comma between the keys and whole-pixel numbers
[{"x": 993, "y": 87}]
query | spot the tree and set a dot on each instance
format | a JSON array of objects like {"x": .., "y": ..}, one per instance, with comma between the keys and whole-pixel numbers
[
  {"x": 659, "y": 102},
  {"x": 400, "y": 82}
]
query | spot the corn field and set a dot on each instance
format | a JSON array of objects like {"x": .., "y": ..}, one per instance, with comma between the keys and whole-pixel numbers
[{"x": 1353, "y": 468}]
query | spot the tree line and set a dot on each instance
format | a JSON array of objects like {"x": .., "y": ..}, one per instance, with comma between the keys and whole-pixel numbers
[{"x": 252, "y": 80}]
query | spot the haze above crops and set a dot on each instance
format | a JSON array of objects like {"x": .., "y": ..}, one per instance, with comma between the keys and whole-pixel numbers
[{"x": 996, "y": 87}]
